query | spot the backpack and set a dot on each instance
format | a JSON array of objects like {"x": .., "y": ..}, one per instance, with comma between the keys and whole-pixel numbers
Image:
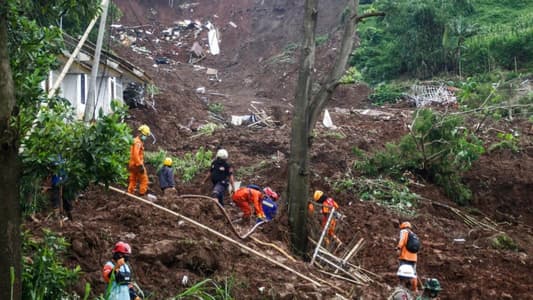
[
  {"x": 254, "y": 186},
  {"x": 413, "y": 243}
]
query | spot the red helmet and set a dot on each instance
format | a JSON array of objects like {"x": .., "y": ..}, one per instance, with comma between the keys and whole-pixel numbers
[
  {"x": 122, "y": 247},
  {"x": 270, "y": 193}
]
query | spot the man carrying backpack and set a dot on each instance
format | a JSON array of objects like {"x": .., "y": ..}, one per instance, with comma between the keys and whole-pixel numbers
[{"x": 408, "y": 246}]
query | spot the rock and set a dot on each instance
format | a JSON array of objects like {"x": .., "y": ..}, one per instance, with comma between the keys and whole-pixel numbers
[
  {"x": 163, "y": 251},
  {"x": 506, "y": 296},
  {"x": 78, "y": 248}
]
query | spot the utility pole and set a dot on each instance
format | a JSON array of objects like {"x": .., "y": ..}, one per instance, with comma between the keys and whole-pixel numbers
[{"x": 91, "y": 94}]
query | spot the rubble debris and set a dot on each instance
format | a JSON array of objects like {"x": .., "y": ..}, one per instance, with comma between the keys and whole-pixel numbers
[
  {"x": 213, "y": 39},
  {"x": 196, "y": 53},
  {"x": 134, "y": 95},
  {"x": 243, "y": 120},
  {"x": 233, "y": 24},
  {"x": 212, "y": 74},
  {"x": 200, "y": 90},
  {"x": 378, "y": 114},
  {"x": 431, "y": 94},
  {"x": 327, "y": 122},
  {"x": 162, "y": 60}
]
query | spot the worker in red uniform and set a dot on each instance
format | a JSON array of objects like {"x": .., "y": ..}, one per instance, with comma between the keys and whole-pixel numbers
[
  {"x": 136, "y": 164},
  {"x": 327, "y": 205},
  {"x": 245, "y": 196},
  {"x": 407, "y": 257}
]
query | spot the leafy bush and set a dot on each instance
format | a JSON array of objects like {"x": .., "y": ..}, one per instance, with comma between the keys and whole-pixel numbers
[
  {"x": 187, "y": 166},
  {"x": 351, "y": 76},
  {"x": 385, "y": 192},
  {"x": 438, "y": 148},
  {"x": 321, "y": 39},
  {"x": 92, "y": 153},
  {"x": 216, "y": 108},
  {"x": 507, "y": 141},
  {"x": 386, "y": 93},
  {"x": 504, "y": 242},
  {"x": 44, "y": 275}
]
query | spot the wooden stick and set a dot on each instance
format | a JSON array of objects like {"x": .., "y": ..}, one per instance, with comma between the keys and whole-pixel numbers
[
  {"x": 340, "y": 277},
  {"x": 220, "y": 235},
  {"x": 275, "y": 247}
]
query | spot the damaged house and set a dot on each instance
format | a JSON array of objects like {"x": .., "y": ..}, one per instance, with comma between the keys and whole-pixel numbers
[{"x": 117, "y": 79}]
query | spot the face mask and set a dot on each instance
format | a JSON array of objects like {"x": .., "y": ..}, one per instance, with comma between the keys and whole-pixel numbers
[{"x": 143, "y": 138}]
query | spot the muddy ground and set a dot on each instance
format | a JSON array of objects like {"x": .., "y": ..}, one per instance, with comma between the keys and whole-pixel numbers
[{"x": 251, "y": 71}]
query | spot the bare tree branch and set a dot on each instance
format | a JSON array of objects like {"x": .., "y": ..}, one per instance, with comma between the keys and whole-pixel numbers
[{"x": 368, "y": 15}]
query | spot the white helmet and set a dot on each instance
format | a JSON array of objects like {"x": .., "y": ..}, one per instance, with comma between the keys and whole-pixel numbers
[
  {"x": 406, "y": 271},
  {"x": 222, "y": 154}
]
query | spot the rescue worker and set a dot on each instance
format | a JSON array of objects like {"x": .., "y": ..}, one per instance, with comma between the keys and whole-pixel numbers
[
  {"x": 117, "y": 273},
  {"x": 166, "y": 177},
  {"x": 269, "y": 205},
  {"x": 221, "y": 174},
  {"x": 327, "y": 204},
  {"x": 61, "y": 195},
  {"x": 136, "y": 164},
  {"x": 405, "y": 273},
  {"x": 245, "y": 196},
  {"x": 405, "y": 256}
]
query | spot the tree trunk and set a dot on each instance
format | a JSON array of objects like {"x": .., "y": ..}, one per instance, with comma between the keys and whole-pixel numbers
[
  {"x": 298, "y": 185},
  {"x": 10, "y": 238},
  {"x": 306, "y": 111}
]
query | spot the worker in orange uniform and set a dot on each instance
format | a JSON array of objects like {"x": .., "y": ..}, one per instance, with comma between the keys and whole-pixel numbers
[
  {"x": 327, "y": 205},
  {"x": 245, "y": 196},
  {"x": 117, "y": 273},
  {"x": 408, "y": 247},
  {"x": 136, "y": 164}
]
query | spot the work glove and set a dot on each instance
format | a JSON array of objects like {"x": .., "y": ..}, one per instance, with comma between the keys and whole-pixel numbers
[
  {"x": 141, "y": 168},
  {"x": 120, "y": 263}
]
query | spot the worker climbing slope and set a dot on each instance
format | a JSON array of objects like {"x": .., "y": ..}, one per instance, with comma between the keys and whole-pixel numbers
[
  {"x": 221, "y": 174},
  {"x": 136, "y": 163},
  {"x": 408, "y": 246},
  {"x": 328, "y": 204}
]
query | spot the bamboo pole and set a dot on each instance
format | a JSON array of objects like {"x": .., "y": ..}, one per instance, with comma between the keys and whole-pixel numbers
[{"x": 220, "y": 235}]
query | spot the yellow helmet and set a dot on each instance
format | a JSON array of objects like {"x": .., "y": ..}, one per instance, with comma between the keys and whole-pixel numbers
[
  {"x": 167, "y": 161},
  {"x": 144, "y": 130},
  {"x": 317, "y": 195}
]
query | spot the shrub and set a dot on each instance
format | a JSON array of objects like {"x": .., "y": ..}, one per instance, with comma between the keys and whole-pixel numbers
[
  {"x": 351, "y": 76},
  {"x": 386, "y": 93},
  {"x": 437, "y": 148},
  {"x": 44, "y": 275},
  {"x": 187, "y": 166}
]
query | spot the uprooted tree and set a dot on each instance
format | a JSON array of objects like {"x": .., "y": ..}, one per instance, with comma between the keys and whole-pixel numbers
[{"x": 307, "y": 108}]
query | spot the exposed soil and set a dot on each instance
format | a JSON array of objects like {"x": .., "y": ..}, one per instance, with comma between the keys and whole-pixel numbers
[{"x": 166, "y": 248}]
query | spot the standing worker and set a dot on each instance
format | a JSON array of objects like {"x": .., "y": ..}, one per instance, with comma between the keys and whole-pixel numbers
[
  {"x": 245, "y": 196},
  {"x": 166, "y": 177},
  {"x": 221, "y": 174},
  {"x": 136, "y": 164},
  {"x": 327, "y": 205},
  {"x": 117, "y": 273},
  {"x": 408, "y": 247}
]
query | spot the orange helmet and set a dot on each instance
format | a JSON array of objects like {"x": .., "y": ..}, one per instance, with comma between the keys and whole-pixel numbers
[
  {"x": 405, "y": 225},
  {"x": 317, "y": 195},
  {"x": 122, "y": 247}
]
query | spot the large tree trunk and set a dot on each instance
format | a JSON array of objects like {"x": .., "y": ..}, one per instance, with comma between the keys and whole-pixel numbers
[
  {"x": 298, "y": 185},
  {"x": 307, "y": 108},
  {"x": 10, "y": 218}
]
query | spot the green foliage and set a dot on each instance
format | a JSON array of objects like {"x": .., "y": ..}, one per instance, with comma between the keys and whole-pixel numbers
[
  {"x": 208, "y": 289},
  {"x": 438, "y": 148},
  {"x": 216, "y": 108},
  {"x": 421, "y": 39},
  {"x": 387, "y": 93},
  {"x": 187, "y": 166},
  {"x": 93, "y": 153},
  {"x": 504, "y": 242},
  {"x": 44, "y": 275},
  {"x": 207, "y": 129},
  {"x": 351, "y": 76},
  {"x": 251, "y": 169},
  {"x": 385, "y": 192},
  {"x": 506, "y": 141},
  {"x": 321, "y": 39}
]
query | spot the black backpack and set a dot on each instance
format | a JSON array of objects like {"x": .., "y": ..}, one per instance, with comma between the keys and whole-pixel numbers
[{"x": 413, "y": 243}]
